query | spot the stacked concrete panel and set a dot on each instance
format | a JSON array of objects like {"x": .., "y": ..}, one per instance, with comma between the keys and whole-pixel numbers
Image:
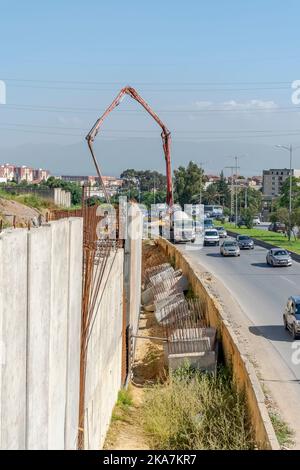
[{"x": 187, "y": 339}]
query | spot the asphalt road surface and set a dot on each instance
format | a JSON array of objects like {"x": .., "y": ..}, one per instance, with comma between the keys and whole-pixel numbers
[{"x": 261, "y": 291}]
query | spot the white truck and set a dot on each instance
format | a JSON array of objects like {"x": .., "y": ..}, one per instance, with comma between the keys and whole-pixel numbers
[{"x": 183, "y": 227}]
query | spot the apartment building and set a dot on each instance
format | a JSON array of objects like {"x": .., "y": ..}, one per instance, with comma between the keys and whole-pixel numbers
[
  {"x": 274, "y": 178},
  {"x": 7, "y": 171}
]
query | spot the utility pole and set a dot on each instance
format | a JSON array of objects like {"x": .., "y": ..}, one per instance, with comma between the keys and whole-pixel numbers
[
  {"x": 236, "y": 190},
  {"x": 246, "y": 197},
  {"x": 233, "y": 193},
  {"x": 290, "y": 149},
  {"x": 201, "y": 181}
]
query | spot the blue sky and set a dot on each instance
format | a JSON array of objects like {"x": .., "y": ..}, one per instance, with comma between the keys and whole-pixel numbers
[{"x": 219, "y": 74}]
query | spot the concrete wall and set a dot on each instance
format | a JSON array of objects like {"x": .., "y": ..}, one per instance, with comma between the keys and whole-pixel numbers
[
  {"x": 243, "y": 372},
  {"x": 62, "y": 197},
  {"x": 40, "y": 311},
  {"x": 133, "y": 266},
  {"x": 56, "y": 195},
  {"x": 104, "y": 355}
]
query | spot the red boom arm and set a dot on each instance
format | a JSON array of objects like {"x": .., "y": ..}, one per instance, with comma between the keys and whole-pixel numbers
[{"x": 165, "y": 135}]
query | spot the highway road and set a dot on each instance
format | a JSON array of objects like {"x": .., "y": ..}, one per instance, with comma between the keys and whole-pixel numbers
[{"x": 261, "y": 291}]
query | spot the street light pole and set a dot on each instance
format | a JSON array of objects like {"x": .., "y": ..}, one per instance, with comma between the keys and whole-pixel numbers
[
  {"x": 236, "y": 191},
  {"x": 289, "y": 148}
]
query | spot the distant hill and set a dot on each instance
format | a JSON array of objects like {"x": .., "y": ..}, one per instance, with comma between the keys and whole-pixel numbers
[{"x": 141, "y": 153}]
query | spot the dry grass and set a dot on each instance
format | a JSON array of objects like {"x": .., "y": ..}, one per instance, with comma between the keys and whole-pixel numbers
[{"x": 196, "y": 411}]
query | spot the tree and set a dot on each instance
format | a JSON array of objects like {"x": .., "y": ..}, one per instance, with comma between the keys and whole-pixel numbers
[
  {"x": 284, "y": 199},
  {"x": 188, "y": 183},
  {"x": 74, "y": 188},
  {"x": 280, "y": 215},
  {"x": 253, "y": 198},
  {"x": 145, "y": 180},
  {"x": 211, "y": 195},
  {"x": 223, "y": 190}
]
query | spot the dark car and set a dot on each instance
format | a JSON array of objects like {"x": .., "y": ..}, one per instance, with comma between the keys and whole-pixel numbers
[
  {"x": 241, "y": 222},
  {"x": 208, "y": 223},
  {"x": 245, "y": 242},
  {"x": 277, "y": 227},
  {"x": 291, "y": 316}
]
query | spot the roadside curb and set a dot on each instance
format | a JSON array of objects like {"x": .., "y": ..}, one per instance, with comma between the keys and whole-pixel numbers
[{"x": 267, "y": 245}]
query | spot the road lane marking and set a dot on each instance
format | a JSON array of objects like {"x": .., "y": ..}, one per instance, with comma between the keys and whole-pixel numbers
[{"x": 288, "y": 280}]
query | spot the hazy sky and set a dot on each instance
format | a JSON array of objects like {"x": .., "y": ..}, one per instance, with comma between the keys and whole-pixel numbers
[{"x": 218, "y": 73}]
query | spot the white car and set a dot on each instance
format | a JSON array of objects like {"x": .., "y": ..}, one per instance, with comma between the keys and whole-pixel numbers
[
  {"x": 211, "y": 237},
  {"x": 256, "y": 221},
  {"x": 230, "y": 248}
]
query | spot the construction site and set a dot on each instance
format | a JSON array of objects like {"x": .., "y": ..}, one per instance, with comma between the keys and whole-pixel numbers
[{"x": 106, "y": 335}]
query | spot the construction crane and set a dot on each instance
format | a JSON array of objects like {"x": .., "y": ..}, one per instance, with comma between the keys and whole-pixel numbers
[{"x": 165, "y": 135}]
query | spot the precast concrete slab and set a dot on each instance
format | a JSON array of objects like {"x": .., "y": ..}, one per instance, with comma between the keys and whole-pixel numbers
[{"x": 203, "y": 361}]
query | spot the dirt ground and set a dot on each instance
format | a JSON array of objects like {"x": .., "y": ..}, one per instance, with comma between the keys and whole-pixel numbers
[
  {"x": 9, "y": 209},
  {"x": 148, "y": 368}
]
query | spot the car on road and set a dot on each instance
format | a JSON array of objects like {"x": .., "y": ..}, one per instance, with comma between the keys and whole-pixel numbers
[
  {"x": 291, "y": 316},
  {"x": 245, "y": 242},
  {"x": 241, "y": 222},
  {"x": 211, "y": 237},
  {"x": 278, "y": 257},
  {"x": 222, "y": 232},
  {"x": 208, "y": 223},
  {"x": 230, "y": 248},
  {"x": 256, "y": 220},
  {"x": 277, "y": 227}
]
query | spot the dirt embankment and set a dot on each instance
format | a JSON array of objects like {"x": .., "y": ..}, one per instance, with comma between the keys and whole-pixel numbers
[
  {"x": 10, "y": 209},
  {"x": 126, "y": 430}
]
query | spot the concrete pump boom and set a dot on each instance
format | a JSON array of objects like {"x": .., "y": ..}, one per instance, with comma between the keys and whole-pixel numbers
[{"x": 165, "y": 135}]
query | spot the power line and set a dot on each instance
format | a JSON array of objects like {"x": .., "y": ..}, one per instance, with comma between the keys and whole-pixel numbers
[
  {"x": 83, "y": 82},
  {"x": 46, "y": 108},
  {"x": 157, "y": 90},
  {"x": 199, "y": 131}
]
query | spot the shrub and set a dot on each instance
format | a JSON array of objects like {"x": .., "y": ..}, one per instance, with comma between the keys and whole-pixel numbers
[{"x": 196, "y": 410}]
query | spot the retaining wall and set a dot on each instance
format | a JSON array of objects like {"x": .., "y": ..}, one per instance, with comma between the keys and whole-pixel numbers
[
  {"x": 133, "y": 267},
  {"x": 243, "y": 371},
  {"x": 40, "y": 312}
]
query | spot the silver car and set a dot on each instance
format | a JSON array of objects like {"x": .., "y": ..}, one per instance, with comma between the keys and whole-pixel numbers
[
  {"x": 291, "y": 316},
  {"x": 278, "y": 257},
  {"x": 230, "y": 248},
  {"x": 222, "y": 232}
]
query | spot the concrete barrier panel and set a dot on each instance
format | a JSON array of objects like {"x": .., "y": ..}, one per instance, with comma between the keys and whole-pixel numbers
[
  {"x": 133, "y": 266},
  {"x": 104, "y": 357},
  {"x": 39, "y": 310},
  {"x": 74, "y": 325},
  {"x": 13, "y": 324},
  {"x": 58, "y": 333}
]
